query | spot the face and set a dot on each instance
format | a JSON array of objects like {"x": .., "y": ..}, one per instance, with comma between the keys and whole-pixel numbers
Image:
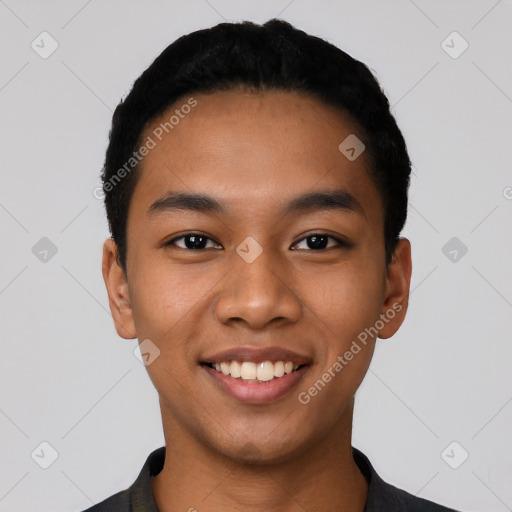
[{"x": 281, "y": 260}]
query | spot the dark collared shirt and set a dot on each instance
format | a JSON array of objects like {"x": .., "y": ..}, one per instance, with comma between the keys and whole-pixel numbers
[{"x": 382, "y": 497}]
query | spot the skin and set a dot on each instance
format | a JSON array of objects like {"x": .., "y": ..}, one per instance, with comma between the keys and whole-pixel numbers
[{"x": 255, "y": 152}]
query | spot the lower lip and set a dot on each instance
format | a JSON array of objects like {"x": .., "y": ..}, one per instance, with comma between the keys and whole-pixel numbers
[{"x": 257, "y": 392}]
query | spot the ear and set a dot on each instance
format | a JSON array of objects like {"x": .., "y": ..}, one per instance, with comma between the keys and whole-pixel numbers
[
  {"x": 398, "y": 280},
  {"x": 118, "y": 291}
]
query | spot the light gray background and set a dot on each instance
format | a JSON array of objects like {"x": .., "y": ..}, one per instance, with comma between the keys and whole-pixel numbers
[{"x": 67, "y": 378}]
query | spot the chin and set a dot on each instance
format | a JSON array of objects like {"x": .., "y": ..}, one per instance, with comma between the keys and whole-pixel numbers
[{"x": 261, "y": 452}]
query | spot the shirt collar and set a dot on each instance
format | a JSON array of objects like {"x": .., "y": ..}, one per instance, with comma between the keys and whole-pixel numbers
[
  {"x": 142, "y": 499},
  {"x": 379, "y": 491}
]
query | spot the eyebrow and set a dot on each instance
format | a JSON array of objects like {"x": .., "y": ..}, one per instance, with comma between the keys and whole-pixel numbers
[{"x": 337, "y": 199}]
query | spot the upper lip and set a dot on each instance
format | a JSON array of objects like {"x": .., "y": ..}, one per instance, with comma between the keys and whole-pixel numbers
[{"x": 256, "y": 355}]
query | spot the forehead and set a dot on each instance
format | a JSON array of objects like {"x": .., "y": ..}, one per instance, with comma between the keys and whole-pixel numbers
[{"x": 251, "y": 149}]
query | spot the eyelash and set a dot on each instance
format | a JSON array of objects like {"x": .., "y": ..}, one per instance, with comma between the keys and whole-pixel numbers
[{"x": 341, "y": 243}]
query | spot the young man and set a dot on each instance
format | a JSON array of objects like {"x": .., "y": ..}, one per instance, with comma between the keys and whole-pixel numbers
[{"x": 256, "y": 186}]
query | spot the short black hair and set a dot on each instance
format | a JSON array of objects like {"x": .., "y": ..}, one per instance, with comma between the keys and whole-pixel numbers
[{"x": 271, "y": 56}]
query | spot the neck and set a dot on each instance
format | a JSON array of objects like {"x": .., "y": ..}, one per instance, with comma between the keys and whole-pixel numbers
[{"x": 320, "y": 477}]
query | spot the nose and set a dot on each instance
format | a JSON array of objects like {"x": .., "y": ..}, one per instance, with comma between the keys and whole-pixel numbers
[{"x": 257, "y": 294}]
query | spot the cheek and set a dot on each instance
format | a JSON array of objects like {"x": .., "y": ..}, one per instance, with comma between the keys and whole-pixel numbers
[
  {"x": 166, "y": 305},
  {"x": 163, "y": 296},
  {"x": 344, "y": 301},
  {"x": 343, "y": 306}
]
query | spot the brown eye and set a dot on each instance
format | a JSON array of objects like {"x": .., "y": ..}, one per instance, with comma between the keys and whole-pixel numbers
[
  {"x": 192, "y": 241},
  {"x": 320, "y": 241}
]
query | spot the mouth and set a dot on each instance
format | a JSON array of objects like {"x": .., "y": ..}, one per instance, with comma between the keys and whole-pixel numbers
[
  {"x": 252, "y": 372},
  {"x": 256, "y": 377}
]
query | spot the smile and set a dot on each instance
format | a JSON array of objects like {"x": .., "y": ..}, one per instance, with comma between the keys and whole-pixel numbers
[
  {"x": 249, "y": 371},
  {"x": 252, "y": 382}
]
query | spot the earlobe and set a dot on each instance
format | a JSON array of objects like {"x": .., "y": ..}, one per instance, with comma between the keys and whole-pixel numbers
[
  {"x": 398, "y": 282},
  {"x": 118, "y": 291}
]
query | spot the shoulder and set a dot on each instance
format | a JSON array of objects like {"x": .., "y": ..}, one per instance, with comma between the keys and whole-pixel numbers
[
  {"x": 383, "y": 496},
  {"x": 119, "y": 502},
  {"x": 139, "y": 496},
  {"x": 405, "y": 501}
]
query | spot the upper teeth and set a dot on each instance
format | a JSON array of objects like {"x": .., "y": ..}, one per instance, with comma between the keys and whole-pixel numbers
[{"x": 264, "y": 371}]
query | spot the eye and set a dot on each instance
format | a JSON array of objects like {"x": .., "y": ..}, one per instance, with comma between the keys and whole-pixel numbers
[
  {"x": 319, "y": 241},
  {"x": 192, "y": 241},
  {"x": 197, "y": 241}
]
